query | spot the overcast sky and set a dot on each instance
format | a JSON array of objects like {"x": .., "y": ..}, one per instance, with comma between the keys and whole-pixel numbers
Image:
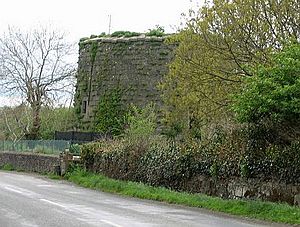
[
  {"x": 86, "y": 17},
  {"x": 83, "y": 18}
]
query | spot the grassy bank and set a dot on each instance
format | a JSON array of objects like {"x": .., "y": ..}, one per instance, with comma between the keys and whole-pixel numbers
[{"x": 281, "y": 213}]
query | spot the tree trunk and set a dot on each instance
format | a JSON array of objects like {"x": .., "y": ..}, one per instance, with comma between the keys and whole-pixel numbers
[{"x": 36, "y": 122}]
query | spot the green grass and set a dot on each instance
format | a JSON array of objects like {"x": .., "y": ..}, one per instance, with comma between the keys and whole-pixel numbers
[
  {"x": 7, "y": 167},
  {"x": 268, "y": 211},
  {"x": 54, "y": 176}
]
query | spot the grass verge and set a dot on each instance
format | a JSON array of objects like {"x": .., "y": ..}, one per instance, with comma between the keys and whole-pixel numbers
[
  {"x": 281, "y": 213},
  {"x": 268, "y": 211},
  {"x": 7, "y": 167}
]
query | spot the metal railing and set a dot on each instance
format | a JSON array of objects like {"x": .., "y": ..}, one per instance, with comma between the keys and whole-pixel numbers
[{"x": 35, "y": 146}]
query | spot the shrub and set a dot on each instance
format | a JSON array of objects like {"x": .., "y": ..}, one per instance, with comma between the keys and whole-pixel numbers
[
  {"x": 274, "y": 91},
  {"x": 75, "y": 149},
  {"x": 8, "y": 167},
  {"x": 157, "y": 31},
  {"x": 161, "y": 162},
  {"x": 87, "y": 154},
  {"x": 169, "y": 165},
  {"x": 141, "y": 124}
]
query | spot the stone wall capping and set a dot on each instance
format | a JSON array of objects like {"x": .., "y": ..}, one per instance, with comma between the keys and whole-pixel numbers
[{"x": 142, "y": 37}]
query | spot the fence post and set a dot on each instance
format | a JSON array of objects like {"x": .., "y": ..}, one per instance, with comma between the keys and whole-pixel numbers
[{"x": 73, "y": 137}]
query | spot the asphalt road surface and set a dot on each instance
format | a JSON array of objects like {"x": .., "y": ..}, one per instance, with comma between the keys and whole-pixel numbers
[{"x": 31, "y": 200}]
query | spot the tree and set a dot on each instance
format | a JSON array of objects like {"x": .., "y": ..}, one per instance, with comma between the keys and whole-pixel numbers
[
  {"x": 269, "y": 102},
  {"x": 219, "y": 45},
  {"x": 56, "y": 119},
  {"x": 274, "y": 92},
  {"x": 35, "y": 65},
  {"x": 15, "y": 122}
]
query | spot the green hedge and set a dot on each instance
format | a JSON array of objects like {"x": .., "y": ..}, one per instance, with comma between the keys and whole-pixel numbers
[{"x": 170, "y": 165}]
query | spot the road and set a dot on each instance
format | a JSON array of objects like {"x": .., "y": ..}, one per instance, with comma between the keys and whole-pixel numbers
[{"x": 32, "y": 200}]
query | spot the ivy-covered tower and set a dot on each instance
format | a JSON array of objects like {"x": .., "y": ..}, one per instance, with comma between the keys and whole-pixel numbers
[{"x": 133, "y": 65}]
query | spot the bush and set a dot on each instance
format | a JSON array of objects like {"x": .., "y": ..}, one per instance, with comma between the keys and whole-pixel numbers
[
  {"x": 8, "y": 167},
  {"x": 161, "y": 164},
  {"x": 167, "y": 166},
  {"x": 87, "y": 154},
  {"x": 157, "y": 31},
  {"x": 251, "y": 151},
  {"x": 164, "y": 163},
  {"x": 141, "y": 125},
  {"x": 75, "y": 149},
  {"x": 245, "y": 151},
  {"x": 274, "y": 91}
]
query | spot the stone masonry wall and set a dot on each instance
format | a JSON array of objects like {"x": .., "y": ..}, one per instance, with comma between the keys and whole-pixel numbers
[
  {"x": 240, "y": 188},
  {"x": 30, "y": 162},
  {"x": 135, "y": 65}
]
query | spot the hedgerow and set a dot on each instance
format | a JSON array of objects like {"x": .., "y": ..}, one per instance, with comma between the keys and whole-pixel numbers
[{"x": 163, "y": 163}]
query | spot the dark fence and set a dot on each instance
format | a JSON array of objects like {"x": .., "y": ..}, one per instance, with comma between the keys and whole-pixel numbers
[{"x": 75, "y": 137}]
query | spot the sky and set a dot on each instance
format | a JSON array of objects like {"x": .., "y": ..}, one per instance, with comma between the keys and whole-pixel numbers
[
  {"x": 81, "y": 18},
  {"x": 86, "y": 17}
]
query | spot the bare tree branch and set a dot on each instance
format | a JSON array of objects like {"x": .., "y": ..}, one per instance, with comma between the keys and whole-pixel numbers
[{"x": 35, "y": 66}]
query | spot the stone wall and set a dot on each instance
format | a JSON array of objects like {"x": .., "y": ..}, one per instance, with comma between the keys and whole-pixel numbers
[
  {"x": 29, "y": 162},
  {"x": 135, "y": 65},
  {"x": 240, "y": 188}
]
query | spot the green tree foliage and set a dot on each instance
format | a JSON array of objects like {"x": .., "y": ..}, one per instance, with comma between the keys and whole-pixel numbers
[
  {"x": 110, "y": 117},
  {"x": 56, "y": 119},
  {"x": 274, "y": 92},
  {"x": 220, "y": 43},
  {"x": 142, "y": 123},
  {"x": 15, "y": 122}
]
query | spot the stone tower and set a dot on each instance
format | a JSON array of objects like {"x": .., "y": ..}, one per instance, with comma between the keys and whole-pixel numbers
[{"x": 135, "y": 64}]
